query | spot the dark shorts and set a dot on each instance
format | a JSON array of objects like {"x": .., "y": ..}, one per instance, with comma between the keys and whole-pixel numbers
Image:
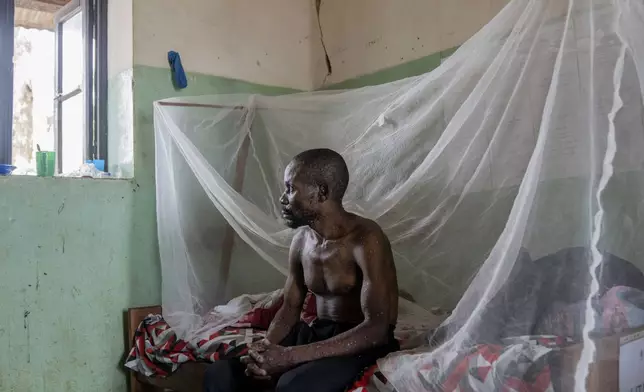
[{"x": 332, "y": 374}]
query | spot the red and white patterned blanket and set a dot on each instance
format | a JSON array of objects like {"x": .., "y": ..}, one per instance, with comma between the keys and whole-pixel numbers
[
  {"x": 523, "y": 364},
  {"x": 157, "y": 351},
  {"x": 518, "y": 364}
]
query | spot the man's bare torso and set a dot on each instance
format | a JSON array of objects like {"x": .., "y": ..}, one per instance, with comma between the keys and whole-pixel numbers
[
  {"x": 331, "y": 273},
  {"x": 346, "y": 261}
]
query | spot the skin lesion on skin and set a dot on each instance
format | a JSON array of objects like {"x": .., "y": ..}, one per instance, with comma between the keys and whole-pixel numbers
[{"x": 339, "y": 256}]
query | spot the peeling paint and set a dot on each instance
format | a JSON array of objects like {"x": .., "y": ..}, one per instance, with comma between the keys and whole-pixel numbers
[
  {"x": 26, "y": 326},
  {"x": 378, "y": 43}
]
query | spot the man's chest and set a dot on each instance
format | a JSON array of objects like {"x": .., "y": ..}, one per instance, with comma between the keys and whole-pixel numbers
[{"x": 329, "y": 269}]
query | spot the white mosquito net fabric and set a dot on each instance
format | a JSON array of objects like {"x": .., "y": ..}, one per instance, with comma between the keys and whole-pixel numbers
[{"x": 509, "y": 181}]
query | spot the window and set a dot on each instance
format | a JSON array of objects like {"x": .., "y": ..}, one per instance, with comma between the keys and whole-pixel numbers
[
  {"x": 58, "y": 96},
  {"x": 6, "y": 74}
]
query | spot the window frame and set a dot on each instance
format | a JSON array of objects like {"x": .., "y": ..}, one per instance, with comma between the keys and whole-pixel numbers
[
  {"x": 7, "y": 12},
  {"x": 94, "y": 84},
  {"x": 63, "y": 16},
  {"x": 94, "y": 80}
]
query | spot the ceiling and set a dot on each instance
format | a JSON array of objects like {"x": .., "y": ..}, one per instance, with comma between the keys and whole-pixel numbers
[{"x": 37, "y": 14}]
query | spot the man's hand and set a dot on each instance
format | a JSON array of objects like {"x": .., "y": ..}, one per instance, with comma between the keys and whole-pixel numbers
[
  {"x": 253, "y": 370},
  {"x": 252, "y": 367},
  {"x": 266, "y": 359},
  {"x": 259, "y": 346}
]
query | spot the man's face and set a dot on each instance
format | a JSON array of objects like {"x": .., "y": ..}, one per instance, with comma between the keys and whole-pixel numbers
[{"x": 299, "y": 200}]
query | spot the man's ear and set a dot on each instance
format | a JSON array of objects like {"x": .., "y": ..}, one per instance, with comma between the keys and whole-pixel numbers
[{"x": 323, "y": 192}]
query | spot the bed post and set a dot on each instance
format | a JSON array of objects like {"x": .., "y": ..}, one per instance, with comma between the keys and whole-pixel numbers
[
  {"x": 229, "y": 238},
  {"x": 134, "y": 316}
]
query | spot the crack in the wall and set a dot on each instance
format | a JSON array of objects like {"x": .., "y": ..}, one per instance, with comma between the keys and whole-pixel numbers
[{"x": 329, "y": 68}]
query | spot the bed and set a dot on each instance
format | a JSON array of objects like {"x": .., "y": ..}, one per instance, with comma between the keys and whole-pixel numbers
[
  {"x": 160, "y": 361},
  {"x": 547, "y": 352},
  {"x": 188, "y": 377}
]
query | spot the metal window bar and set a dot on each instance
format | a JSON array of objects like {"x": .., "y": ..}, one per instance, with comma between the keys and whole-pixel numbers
[
  {"x": 87, "y": 8},
  {"x": 101, "y": 81},
  {"x": 7, "y": 10},
  {"x": 94, "y": 86},
  {"x": 66, "y": 13}
]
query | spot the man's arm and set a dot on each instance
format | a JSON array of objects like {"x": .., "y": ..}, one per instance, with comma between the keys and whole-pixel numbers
[
  {"x": 294, "y": 294},
  {"x": 374, "y": 258}
]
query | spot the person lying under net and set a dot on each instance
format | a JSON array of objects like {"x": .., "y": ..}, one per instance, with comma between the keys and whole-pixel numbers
[{"x": 346, "y": 261}]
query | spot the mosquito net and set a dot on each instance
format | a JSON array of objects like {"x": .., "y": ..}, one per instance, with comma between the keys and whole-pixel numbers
[{"x": 509, "y": 181}]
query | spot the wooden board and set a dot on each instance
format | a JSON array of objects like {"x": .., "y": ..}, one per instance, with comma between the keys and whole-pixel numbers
[
  {"x": 134, "y": 318},
  {"x": 603, "y": 372},
  {"x": 189, "y": 376}
]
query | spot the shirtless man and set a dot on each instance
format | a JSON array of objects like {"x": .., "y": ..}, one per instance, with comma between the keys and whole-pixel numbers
[{"x": 346, "y": 261}]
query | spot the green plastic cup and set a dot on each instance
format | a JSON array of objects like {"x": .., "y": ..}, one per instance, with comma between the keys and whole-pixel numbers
[{"x": 45, "y": 163}]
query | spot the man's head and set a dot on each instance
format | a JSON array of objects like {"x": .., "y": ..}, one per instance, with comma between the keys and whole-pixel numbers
[{"x": 315, "y": 179}]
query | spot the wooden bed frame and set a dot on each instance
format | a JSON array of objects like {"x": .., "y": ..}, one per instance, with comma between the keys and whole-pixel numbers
[
  {"x": 604, "y": 372},
  {"x": 189, "y": 376}
]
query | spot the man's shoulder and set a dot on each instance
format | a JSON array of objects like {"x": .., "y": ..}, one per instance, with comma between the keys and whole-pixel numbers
[
  {"x": 371, "y": 244},
  {"x": 368, "y": 226},
  {"x": 299, "y": 235},
  {"x": 368, "y": 230}
]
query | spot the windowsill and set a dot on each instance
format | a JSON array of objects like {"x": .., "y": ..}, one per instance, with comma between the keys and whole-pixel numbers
[{"x": 22, "y": 177}]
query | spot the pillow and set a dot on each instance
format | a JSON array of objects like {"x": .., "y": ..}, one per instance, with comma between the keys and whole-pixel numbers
[
  {"x": 261, "y": 316},
  {"x": 622, "y": 308},
  {"x": 564, "y": 320}
]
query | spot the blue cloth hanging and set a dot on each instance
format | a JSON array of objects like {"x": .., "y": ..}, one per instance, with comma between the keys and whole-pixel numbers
[{"x": 178, "y": 74}]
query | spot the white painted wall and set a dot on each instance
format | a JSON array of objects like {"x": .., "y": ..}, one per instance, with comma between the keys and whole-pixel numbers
[
  {"x": 277, "y": 42},
  {"x": 273, "y": 42},
  {"x": 119, "y": 37},
  {"x": 120, "y": 109},
  {"x": 365, "y": 36}
]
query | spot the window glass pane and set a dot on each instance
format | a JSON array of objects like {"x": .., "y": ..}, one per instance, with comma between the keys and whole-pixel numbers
[
  {"x": 72, "y": 31},
  {"x": 33, "y": 96},
  {"x": 73, "y": 136}
]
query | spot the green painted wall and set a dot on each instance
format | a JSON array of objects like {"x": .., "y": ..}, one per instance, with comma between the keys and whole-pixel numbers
[
  {"x": 401, "y": 71},
  {"x": 76, "y": 253},
  {"x": 68, "y": 252}
]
